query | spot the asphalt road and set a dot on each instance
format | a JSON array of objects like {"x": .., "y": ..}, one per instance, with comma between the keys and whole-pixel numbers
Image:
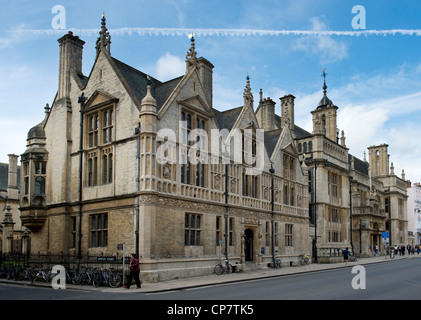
[{"x": 394, "y": 280}]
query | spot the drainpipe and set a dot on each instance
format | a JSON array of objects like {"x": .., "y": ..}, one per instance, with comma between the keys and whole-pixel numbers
[
  {"x": 272, "y": 171},
  {"x": 81, "y": 101},
  {"x": 137, "y": 132}
]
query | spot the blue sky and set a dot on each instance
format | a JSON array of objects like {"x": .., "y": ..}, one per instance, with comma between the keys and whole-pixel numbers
[{"x": 375, "y": 80}]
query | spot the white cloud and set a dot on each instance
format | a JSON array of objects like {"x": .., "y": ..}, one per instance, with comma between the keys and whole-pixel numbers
[
  {"x": 322, "y": 45},
  {"x": 169, "y": 67}
]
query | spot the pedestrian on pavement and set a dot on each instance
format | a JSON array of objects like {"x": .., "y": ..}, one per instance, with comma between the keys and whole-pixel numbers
[
  {"x": 403, "y": 250},
  {"x": 134, "y": 272},
  {"x": 408, "y": 247},
  {"x": 345, "y": 253},
  {"x": 418, "y": 249},
  {"x": 377, "y": 249},
  {"x": 396, "y": 249}
]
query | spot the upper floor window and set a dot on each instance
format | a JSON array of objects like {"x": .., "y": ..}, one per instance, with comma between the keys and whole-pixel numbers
[
  {"x": 193, "y": 147},
  {"x": 99, "y": 136},
  {"x": 334, "y": 185},
  {"x": 100, "y": 128},
  {"x": 40, "y": 171}
]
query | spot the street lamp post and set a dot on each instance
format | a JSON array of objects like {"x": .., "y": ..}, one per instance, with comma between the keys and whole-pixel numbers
[
  {"x": 272, "y": 171},
  {"x": 226, "y": 155},
  {"x": 350, "y": 213}
]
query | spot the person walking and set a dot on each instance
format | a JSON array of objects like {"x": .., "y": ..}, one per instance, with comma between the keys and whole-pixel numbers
[
  {"x": 134, "y": 272},
  {"x": 345, "y": 253}
]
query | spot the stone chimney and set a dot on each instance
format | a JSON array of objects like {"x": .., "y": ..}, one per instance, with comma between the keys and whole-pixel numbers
[
  {"x": 71, "y": 48},
  {"x": 12, "y": 186},
  {"x": 205, "y": 69},
  {"x": 287, "y": 110}
]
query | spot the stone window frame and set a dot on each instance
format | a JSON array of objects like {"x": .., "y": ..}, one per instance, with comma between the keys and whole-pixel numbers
[
  {"x": 193, "y": 229},
  {"x": 289, "y": 229},
  {"x": 193, "y": 174},
  {"x": 99, "y": 140},
  {"x": 98, "y": 230}
]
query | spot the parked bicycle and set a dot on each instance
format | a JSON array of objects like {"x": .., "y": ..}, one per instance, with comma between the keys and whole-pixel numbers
[
  {"x": 72, "y": 276},
  {"x": 44, "y": 274},
  {"x": 304, "y": 259},
  {"x": 220, "y": 268},
  {"x": 275, "y": 263},
  {"x": 85, "y": 277},
  {"x": 100, "y": 275}
]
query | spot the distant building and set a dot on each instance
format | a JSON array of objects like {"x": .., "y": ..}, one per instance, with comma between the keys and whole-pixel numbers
[
  {"x": 14, "y": 237},
  {"x": 414, "y": 212}
]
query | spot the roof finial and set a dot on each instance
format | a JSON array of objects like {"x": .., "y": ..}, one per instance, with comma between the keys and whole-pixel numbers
[
  {"x": 324, "y": 74},
  {"x": 104, "y": 40},
  {"x": 191, "y": 56},
  {"x": 248, "y": 96},
  {"x": 325, "y": 101}
]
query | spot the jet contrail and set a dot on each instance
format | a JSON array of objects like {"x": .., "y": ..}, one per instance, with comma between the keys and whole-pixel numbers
[{"x": 224, "y": 32}]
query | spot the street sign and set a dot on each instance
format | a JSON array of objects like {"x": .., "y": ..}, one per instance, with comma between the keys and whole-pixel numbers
[
  {"x": 106, "y": 259},
  {"x": 385, "y": 234},
  {"x": 120, "y": 246}
]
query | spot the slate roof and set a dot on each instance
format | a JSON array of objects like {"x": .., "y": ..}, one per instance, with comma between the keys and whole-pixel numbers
[
  {"x": 360, "y": 166},
  {"x": 226, "y": 119},
  {"x": 271, "y": 139},
  {"x": 137, "y": 81}
]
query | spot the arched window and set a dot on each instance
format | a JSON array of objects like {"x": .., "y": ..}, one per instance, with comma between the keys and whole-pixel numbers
[{"x": 39, "y": 185}]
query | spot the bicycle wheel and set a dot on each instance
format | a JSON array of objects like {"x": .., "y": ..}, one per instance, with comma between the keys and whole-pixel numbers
[
  {"x": 114, "y": 280},
  {"x": 97, "y": 279},
  {"x": 219, "y": 269},
  {"x": 228, "y": 269},
  {"x": 306, "y": 260}
]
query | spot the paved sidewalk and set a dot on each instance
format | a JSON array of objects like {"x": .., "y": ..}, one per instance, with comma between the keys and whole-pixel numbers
[
  {"x": 214, "y": 279},
  {"x": 194, "y": 282}
]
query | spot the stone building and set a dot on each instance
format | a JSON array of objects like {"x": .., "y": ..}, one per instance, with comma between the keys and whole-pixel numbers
[
  {"x": 14, "y": 237},
  {"x": 414, "y": 212},
  {"x": 122, "y": 157},
  {"x": 107, "y": 165}
]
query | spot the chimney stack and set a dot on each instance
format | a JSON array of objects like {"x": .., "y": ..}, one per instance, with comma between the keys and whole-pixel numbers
[
  {"x": 12, "y": 185},
  {"x": 71, "y": 48}
]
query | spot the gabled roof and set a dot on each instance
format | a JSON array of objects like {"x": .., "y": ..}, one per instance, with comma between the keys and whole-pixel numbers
[
  {"x": 226, "y": 119},
  {"x": 300, "y": 133},
  {"x": 137, "y": 82},
  {"x": 360, "y": 166},
  {"x": 271, "y": 139}
]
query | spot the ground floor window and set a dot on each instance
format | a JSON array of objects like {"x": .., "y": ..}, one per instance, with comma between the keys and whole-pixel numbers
[
  {"x": 99, "y": 230},
  {"x": 288, "y": 235},
  {"x": 192, "y": 229}
]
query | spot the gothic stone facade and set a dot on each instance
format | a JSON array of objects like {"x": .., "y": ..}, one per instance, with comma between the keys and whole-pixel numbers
[
  {"x": 98, "y": 172},
  {"x": 91, "y": 178}
]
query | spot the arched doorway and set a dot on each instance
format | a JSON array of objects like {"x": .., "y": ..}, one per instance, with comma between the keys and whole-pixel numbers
[{"x": 248, "y": 245}]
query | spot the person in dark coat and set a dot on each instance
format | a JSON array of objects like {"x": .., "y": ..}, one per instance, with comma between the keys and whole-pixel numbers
[{"x": 134, "y": 272}]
